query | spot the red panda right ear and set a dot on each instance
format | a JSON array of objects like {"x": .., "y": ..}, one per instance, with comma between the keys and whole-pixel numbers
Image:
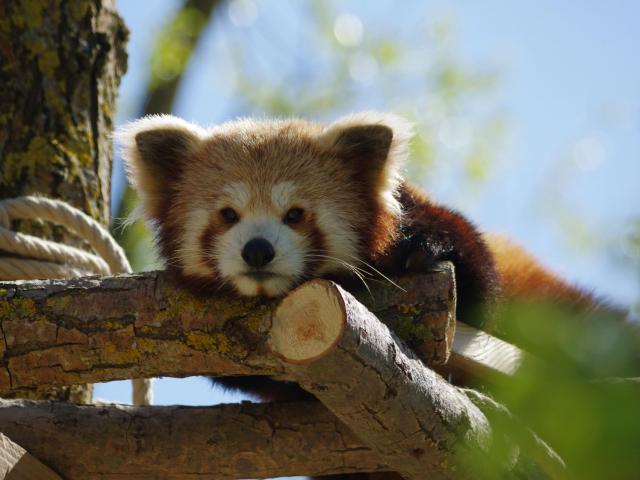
[{"x": 153, "y": 149}]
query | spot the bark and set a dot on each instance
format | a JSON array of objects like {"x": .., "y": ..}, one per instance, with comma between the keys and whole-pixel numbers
[
  {"x": 420, "y": 424},
  {"x": 58, "y": 332},
  {"x": 177, "y": 442},
  {"x": 96, "y": 329},
  {"x": 61, "y": 67}
]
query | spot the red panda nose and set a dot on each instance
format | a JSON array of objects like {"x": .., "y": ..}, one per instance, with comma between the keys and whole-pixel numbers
[{"x": 258, "y": 252}]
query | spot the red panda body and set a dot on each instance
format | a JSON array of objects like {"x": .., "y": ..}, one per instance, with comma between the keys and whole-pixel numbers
[{"x": 257, "y": 207}]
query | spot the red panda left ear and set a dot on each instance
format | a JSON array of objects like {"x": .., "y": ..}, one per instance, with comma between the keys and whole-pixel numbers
[
  {"x": 366, "y": 145},
  {"x": 376, "y": 146},
  {"x": 373, "y": 142}
]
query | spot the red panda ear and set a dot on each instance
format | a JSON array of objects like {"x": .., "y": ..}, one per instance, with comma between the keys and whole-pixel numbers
[
  {"x": 162, "y": 150},
  {"x": 154, "y": 149},
  {"x": 374, "y": 143},
  {"x": 366, "y": 146}
]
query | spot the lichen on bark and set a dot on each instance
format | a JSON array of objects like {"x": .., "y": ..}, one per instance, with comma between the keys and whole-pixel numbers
[{"x": 60, "y": 67}]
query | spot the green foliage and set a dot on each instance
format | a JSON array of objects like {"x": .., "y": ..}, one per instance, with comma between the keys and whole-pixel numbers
[
  {"x": 573, "y": 391},
  {"x": 633, "y": 241},
  {"x": 175, "y": 44}
]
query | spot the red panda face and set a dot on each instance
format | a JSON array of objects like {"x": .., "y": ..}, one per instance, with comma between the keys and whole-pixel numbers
[
  {"x": 265, "y": 237},
  {"x": 262, "y": 206}
]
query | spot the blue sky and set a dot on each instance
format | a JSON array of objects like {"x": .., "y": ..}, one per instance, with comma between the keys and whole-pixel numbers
[{"x": 569, "y": 87}]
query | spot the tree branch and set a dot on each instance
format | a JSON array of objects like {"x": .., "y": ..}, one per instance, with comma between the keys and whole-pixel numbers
[
  {"x": 95, "y": 329},
  {"x": 245, "y": 440},
  {"x": 59, "y": 332},
  {"x": 419, "y": 423}
]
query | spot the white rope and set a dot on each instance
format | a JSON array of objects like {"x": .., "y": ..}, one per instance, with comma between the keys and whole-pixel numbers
[
  {"x": 42, "y": 259},
  {"x": 61, "y": 213},
  {"x": 22, "y": 269},
  {"x": 50, "y": 252}
]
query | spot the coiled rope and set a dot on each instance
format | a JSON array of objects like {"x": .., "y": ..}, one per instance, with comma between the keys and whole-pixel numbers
[
  {"x": 42, "y": 259},
  {"x": 48, "y": 259}
]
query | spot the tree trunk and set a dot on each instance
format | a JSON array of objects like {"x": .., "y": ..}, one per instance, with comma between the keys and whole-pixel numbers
[{"x": 61, "y": 64}]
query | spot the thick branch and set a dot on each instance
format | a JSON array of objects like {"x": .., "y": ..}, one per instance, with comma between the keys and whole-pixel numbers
[
  {"x": 98, "y": 329},
  {"x": 420, "y": 424},
  {"x": 225, "y": 441}
]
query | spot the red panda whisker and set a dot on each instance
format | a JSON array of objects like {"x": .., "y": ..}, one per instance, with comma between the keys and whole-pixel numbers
[
  {"x": 120, "y": 223},
  {"x": 352, "y": 268},
  {"x": 378, "y": 272},
  {"x": 371, "y": 273},
  {"x": 335, "y": 259},
  {"x": 342, "y": 262}
]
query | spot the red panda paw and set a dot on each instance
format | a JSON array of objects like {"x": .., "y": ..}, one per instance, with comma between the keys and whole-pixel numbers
[
  {"x": 416, "y": 253},
  {"x": 419, "y": 261}
]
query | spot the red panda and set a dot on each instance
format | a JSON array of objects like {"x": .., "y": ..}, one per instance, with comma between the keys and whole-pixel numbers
[
  {"x": 260, "y": 206},
  {"x": 257, "y": 207}
]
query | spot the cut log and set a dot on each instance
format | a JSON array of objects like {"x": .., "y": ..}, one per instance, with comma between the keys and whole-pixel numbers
[
  {"x": 309, "y": 319},
  {"x": 420, "y": 424},
  {"x": 18, "y": 464},
  {"x": 322, "y": 337},
  {"x": 245, "y": 440}
]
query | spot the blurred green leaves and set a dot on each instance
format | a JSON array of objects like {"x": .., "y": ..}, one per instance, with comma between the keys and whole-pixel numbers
[
  {"x": 176, "y": 42},
  {"x": 579, "y": 392}
]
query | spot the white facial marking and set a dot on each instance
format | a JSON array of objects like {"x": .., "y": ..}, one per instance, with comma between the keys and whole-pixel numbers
[
  {"x": 281, "y": 194},
  {"x": 339, "y": 238},
  {"x": 238, "y": 194},
  {"x": 191, "y": 252},
  {"x": 287, "y": 266}
]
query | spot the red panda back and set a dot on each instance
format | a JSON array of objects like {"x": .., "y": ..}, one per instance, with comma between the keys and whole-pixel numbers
[{"x": 524, "y": 278}]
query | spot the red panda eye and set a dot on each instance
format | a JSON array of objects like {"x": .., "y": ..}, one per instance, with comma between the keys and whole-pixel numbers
[
  {"x": 229, "y": 215},
  {"x": 294, "y": 215}
]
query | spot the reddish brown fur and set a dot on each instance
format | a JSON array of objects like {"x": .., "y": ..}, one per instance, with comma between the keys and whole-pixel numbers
[
  {"x": 523, "y": 278},
  {"x": 433, "y": 233}
]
